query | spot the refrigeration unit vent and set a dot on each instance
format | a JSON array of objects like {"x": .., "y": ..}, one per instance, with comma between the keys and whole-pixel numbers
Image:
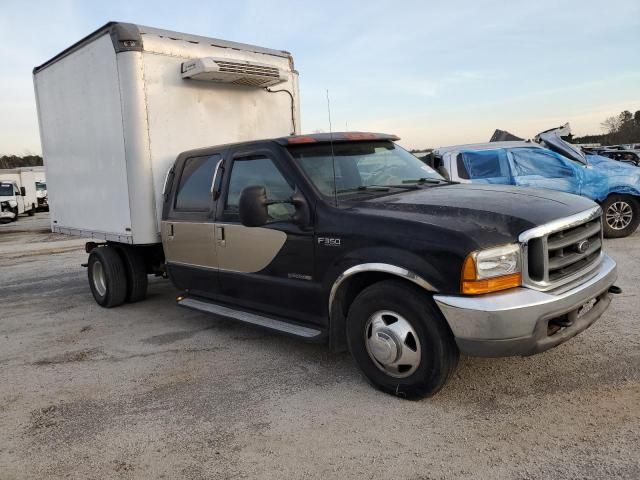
[{"x": 235, "y": 72}]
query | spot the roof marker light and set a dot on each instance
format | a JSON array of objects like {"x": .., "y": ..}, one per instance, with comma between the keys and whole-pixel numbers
[{"x": 301, "y": 139}]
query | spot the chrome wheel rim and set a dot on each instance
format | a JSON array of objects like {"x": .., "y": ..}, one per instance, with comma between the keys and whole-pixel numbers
[
  {"x": 619, "y": 215},
  {"x": 392, "y": 344},
  {"x": 99, "y": 280}
]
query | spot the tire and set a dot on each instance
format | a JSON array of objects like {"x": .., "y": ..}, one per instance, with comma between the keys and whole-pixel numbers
[
  {"x": 136, "y": 271},
  {"x": 32, "y": 212},
  {"x": 15, "y": 218},
  {"x": 621, "y": 216},
  {"x": 107, "y": 277},
  {"x": 432, "y": 352}
]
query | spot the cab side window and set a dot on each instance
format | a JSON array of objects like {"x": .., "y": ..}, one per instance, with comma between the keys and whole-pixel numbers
[
  {"x": 194, "y": 190},
  {"x": 258, "y": 170},
  {"x": 483, "y": 165},
  {"x": 538, "y": 162}
]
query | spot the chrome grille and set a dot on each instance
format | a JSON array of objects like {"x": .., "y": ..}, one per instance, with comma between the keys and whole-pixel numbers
[{"x": 563, "y": 251}]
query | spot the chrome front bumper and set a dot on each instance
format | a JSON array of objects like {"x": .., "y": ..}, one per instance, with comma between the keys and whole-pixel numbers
[{"x": 515, "y": 322}]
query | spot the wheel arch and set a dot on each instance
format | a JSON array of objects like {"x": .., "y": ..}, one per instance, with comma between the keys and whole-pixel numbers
[{"x": 354, "y": 280}]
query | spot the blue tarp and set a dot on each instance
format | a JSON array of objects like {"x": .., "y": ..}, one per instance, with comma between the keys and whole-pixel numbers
[{"x": 542, "y": 168}]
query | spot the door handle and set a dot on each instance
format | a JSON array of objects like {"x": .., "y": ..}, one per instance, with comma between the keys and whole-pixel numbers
[
  {"x": 220, "y": 236},
  {"x": 170, "y": 233}
]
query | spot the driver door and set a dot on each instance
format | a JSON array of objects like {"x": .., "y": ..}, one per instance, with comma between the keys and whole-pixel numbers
[{"x": 271, "y": 268}]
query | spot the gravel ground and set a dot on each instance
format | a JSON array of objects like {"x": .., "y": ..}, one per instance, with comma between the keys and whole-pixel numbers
[{"x": 152, "y": 390}]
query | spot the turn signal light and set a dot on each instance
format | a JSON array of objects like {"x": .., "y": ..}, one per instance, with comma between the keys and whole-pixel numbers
[
  {"x": 477, "y": 287},
  {"x": 470, "y": 285}
]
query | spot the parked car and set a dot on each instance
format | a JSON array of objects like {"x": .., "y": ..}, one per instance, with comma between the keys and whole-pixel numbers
[
  {"x": 614, "y": 185},
  {"x": 632, "y": 157},
  {"x": 343, "y": 238}
]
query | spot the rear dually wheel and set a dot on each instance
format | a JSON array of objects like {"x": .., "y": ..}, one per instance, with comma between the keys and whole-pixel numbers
[{"x": 107, "y": 277}]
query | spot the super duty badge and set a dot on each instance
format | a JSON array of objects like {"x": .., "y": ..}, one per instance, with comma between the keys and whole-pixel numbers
[{"x": 329, "y": 242}]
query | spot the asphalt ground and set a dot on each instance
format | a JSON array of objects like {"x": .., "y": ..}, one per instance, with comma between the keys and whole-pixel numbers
[{"x": 152, "y": 390}]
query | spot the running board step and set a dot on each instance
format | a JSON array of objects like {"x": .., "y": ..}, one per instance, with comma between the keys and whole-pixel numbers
[{"x": 252, "y": 318}]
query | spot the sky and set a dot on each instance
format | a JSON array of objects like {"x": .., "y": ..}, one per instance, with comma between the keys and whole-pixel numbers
[{"x": 434, "y": 73}]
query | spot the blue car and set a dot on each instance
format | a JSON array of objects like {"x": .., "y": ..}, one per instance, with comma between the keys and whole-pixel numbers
[{"x": 614, "y": 185}]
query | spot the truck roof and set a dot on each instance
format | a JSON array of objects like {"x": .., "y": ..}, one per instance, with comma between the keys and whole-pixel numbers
[
  {"x": 486, "y": 146},
  {"x": 130, "y": 37},
  {"x": 335, "y": 137},
  {"x": 317, "y": 138}
]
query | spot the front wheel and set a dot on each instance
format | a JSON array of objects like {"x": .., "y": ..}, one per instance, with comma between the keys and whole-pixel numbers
[
  {"x": 621, "y": 216},
  {"x": 400, "y": 340},
  {"x": 32, "y": 212}
]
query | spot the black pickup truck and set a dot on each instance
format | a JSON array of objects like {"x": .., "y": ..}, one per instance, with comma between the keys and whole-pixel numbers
[{"x": 348, "y": 238}]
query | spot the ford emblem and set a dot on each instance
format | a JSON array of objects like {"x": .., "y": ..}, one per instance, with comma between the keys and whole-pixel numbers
[{"x": 583, "y": 246}]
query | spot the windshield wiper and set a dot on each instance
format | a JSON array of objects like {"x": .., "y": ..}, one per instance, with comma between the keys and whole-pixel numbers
[
  {"x": 365, "y": 188},
  {"x": 423, "y": 180}
]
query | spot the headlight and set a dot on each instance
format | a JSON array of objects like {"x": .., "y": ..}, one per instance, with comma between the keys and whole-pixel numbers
[{"x": 492, "y": 270}]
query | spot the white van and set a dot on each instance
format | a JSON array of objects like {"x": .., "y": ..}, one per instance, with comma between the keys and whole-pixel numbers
[{"x": 17, "y": 193}]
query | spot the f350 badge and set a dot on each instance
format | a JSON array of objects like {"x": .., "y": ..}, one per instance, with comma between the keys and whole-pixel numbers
[{"x": 329, "y": 242}]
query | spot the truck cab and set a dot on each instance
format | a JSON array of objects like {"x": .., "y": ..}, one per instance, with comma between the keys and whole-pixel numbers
[
  {"x": 614, "y": 185},
  {"x": 11, "y": 201}
]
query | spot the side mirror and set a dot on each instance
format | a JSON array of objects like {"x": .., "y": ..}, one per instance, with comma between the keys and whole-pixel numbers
[
  {"x": 253, "y": 206},
  {"x": 23, "y": 192}
]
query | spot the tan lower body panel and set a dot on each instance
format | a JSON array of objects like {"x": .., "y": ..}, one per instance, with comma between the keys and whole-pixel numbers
[
  {"x": 247, "y": 249},
  {"x": 191, "y": 243}
]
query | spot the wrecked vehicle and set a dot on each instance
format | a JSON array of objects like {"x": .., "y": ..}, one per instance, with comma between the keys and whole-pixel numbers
[
  {"x": 17, "y": 193},
  {"x": 342, "y": 238},
  {"x": 14, "y": 200},
  {"x": 560, "y": 166},
  {"x": 631, "y": 157}
]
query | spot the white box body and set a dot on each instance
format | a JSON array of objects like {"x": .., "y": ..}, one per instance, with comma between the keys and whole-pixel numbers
[
  {"x": 24, "y": 177},
  {"x": 115, "y": 112}
]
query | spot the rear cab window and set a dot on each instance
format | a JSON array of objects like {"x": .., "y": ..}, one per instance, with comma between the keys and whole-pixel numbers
[{"x": 194, "y": 190}]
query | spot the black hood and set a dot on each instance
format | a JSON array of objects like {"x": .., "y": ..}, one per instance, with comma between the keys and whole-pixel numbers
[{"x": 489, "y": 214}]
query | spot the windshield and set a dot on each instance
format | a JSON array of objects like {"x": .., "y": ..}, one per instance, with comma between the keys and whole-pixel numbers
[
  {"x": 41, "y": 186},
  {"x": 6, "y": 190},
  {"x": 361, "y": 166}
]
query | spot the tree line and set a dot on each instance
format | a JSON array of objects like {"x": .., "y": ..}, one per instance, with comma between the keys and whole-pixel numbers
[
  {"x": 622, "y": 128},
  {"x": 15, "y": 161}
]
